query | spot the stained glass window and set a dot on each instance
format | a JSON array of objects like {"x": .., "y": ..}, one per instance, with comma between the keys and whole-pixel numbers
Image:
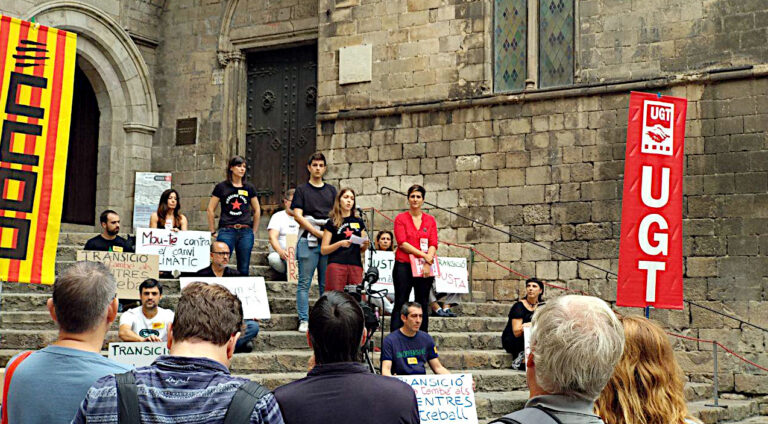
[
  {"x": 556, "y": 38},
  {"x": 510, "y": 44}
]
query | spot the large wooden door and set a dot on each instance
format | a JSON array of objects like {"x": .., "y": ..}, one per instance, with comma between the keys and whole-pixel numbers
[
  {"x": 282, "y": 98},
  {"x": 80, "y": 186}
]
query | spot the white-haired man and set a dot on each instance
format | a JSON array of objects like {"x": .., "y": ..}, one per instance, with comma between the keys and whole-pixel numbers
[{"x": 576, "y": 341}]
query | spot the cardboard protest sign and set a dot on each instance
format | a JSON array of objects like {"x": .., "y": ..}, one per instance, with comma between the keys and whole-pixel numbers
[
  {"x": 292, "y": 265},
  {"x": 185, "y": 251},
  {"x": 148, "y": 188},
  {"x": 385, "y": 263},
  {"x": 444, "y": 398},
  {"x": 129, "y": 269},
  {"x": 137, "y": 354},
  {"x": 651, "y": 246},
  {"x": 37, "y": 66},
  {"x": 453, "y": 277},
  {"x": 252, "y": 292}
]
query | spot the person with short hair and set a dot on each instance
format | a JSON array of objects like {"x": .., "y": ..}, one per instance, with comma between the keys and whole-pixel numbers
[
  {"x": 193, "y": 384},
  {"x": 520, "y": 318},
  {"x": 168, "y": 214},
  {"x": 576, "y": 341},
  {"x": 218, "y": 268},
  {"x": 148, "y": 322},
  {"x": 281, "y": 224},
  {"x": 240, "y": 213},
  {"x": 384, "y": 241},
  {"x": 345, "y": 264},
  {"x": 647, "y": 384},
  {"x": 416, "y": 234},
  {"x": 408, "y": 350},
  {"x": 312, "y": 202},
  {"x": 109, "y": 240},
  {"x": 47, "y": 386},
  {"x": 336, "y": 332}
]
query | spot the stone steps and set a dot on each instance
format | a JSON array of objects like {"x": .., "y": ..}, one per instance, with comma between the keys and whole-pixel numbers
[
  {"x": 266, "y": 341},
  {"x": 277, "y": 305},
  {"x": 39, "y": 320}
]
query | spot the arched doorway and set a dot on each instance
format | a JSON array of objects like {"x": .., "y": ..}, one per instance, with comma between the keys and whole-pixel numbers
[{"x": 80, "y": 188}]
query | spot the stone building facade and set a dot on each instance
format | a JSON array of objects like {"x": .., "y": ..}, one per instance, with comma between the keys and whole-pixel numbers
[{"x": 543, "y": 162}]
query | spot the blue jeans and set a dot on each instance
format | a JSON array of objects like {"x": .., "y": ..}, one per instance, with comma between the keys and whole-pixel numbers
[
  {"x": 309, "y": 259},
  {"x": 251, "y": 331},
  {"x": 241, "y": 242}
]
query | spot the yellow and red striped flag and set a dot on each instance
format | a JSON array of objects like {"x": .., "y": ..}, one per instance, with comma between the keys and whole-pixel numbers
[{"x": 37, "y": 68}]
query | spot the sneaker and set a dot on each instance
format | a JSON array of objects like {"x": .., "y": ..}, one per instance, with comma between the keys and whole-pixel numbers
[
  {"x": 449, "y": 313},
  {"x": 246, "y": 348},
  {"x": 303, "y": 327}
]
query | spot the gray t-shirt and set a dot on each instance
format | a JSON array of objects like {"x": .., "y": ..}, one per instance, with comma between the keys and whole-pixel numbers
[{"x": 48, "y": 386}]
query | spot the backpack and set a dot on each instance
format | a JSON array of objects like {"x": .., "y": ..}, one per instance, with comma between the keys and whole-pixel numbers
[
  {"x": 7, "y": 383},
  {"x": 532, "y": 415},
  {"x": 239, "y": 411}
]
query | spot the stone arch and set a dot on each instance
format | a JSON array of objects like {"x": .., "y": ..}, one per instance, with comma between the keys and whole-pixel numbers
[{"x": 120, "y": 77}]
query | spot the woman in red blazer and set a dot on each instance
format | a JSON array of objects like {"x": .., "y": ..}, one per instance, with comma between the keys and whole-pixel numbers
[{"x": 416, "y": 235}]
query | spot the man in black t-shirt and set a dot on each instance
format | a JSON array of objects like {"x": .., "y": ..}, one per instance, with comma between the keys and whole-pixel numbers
[
  {"x": 311, "y": 204},
  {"x": 108, "y": 240}
]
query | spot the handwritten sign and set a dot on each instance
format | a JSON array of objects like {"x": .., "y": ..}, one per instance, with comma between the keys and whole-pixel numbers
[
  {"x": 129, "y": 269},
  {"x": 453, "y": 276},
  {"x": 148, "y": 188},
  {"x": 385, "y": 262},
  {"x": 292, "y": 264},
  {"x": 252, "y": 292},
  {"x": 444, "y": 398},
  {"x": 137, "y": 354},
  {"x": 185, "y": 251}
]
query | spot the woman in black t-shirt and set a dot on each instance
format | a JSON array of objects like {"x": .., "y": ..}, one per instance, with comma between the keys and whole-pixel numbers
[
  {"x": 240, "y": 213},
  {"x": 342, "y": 243},
  {"x": 520, "y": 317}
]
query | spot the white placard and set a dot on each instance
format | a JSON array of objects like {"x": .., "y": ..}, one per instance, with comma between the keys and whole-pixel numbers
[
  {"x": 147, "y": 191},
  {"x": 185, "y": 251},
  {"x": 453, "y": 276},
  {"x": 137, "y": 354},
  {"x": 444, "y": 398},
  {"x": 385, "y": 263},
  {"x": 252, "y": 292}
]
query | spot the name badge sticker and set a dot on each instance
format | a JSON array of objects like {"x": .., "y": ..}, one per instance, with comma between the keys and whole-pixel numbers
[
  {"x": 424, "y": 244},
  {"x": 413, "y": 361},
  {"x": 243, "y": 192}
]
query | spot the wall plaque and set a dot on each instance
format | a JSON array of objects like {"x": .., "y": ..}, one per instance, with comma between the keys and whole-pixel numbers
[{"x": 186, "y": 131}]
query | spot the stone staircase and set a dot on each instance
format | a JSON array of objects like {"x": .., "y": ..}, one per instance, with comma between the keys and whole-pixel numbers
[{"x": 469, "y": 343}]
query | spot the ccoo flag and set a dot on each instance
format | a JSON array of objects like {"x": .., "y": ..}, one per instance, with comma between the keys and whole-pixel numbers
[{"x": 37, "y": 66}]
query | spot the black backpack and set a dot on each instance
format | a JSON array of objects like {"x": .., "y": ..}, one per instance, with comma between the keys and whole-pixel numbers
[
  {"x": 533, "y": 415},
  {"x": 239, "y": 411}
]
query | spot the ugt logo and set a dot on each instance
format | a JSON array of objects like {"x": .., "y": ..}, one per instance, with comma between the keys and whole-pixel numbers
[{"x": 658, "y": 128}]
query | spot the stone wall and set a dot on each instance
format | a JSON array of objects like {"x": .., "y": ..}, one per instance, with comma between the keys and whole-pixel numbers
[{"x": 552, "y": 171}]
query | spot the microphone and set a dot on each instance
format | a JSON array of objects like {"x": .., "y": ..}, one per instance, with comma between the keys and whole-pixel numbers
[{"x": 360, "y": 211}]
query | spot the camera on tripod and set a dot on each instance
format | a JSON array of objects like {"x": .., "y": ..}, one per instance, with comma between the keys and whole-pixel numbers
[{"x": 357, "y": 291}]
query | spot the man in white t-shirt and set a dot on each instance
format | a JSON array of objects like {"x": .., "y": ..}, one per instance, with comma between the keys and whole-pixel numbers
[
  {"x": 148, "y": 322},
  {"x": 281, "y": 224}
]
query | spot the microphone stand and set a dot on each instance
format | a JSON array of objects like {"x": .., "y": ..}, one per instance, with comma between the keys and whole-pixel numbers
[{"x": 380, "y": 294}]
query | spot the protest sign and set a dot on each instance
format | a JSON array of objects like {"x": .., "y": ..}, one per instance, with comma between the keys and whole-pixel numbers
[
  {"x": 385, "y": 263},
  {"x": 651, "y": 244},
  {"x": 129, "y": 269},
  {"x": 444, "y": 398},
  {"x": 37, "y": 66},
  {"x": 292, "y": 265},
  {"x": 252, "y": 292},
  {"x": 453, "y": 276},
  {"x": 137, "y": 354},
  {"x": 148, "y": 188},
  {"x": 185, "y": 251},
  {"x": 419, "y": 267}
]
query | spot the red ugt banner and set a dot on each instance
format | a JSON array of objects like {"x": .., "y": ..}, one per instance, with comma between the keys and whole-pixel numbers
[{"x": 651, "y": 249}]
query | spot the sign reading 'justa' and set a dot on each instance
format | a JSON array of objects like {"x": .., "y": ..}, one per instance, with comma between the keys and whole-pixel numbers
[{"x": 651, "y": 248}]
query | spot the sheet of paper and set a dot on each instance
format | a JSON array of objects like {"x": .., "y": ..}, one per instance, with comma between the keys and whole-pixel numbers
[{"x": 357, "y": 240}]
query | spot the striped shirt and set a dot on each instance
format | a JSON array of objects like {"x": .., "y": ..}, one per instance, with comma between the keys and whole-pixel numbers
[{"x": 176, "y": 389}]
